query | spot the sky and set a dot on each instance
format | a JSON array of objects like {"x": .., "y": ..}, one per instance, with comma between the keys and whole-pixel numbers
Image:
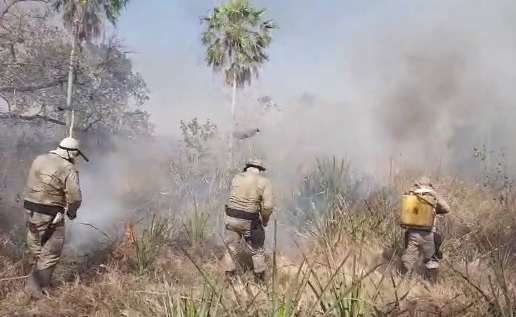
[
  {"x": 308, "y": 54},
  {"x": 423, "y": 79}
]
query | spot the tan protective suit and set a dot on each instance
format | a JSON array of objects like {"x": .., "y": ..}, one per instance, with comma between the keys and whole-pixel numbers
[
  {"x": 422, "y": 241},
  {"x": 250, "y": 193},
  {"x": 52, "y": 185}
]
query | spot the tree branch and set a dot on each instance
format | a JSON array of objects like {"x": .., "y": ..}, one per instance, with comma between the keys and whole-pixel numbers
[
  {"x": 31, "y": 118},
  {"x": 6, "y": 102},
  {"x": 31, "y": 88},
  {"x": 92, "y": 123},
  {"x": 10, "y": 5}
]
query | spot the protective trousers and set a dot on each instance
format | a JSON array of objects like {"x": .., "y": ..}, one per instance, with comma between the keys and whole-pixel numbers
[
  {"x": 44, "y": 240},
  {"x": 419, "y": 242},
  {"x": 241, "y": 232}
]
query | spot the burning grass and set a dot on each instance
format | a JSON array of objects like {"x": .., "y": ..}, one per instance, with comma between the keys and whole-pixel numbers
[{"x": 342, "y": 261}]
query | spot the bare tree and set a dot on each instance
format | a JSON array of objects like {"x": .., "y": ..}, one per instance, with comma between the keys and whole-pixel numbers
[
  {"x": 85, "y": 19},
  {"x": 33, "y": 78}
]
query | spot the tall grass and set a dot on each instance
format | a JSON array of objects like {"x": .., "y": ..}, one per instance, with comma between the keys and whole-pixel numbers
[
  {"x": 339, "y": 273},
  {"x": 150, "y": 242},
  {"x": 324, "y": 196},
  {"x": 196, "y": 226},
  {"x": 175, "y": 305}
]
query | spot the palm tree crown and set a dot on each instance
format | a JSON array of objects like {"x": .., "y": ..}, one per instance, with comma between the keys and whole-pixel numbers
[
  {"x": 85, "y": 17},
  {"x": 236, "y": 38}
]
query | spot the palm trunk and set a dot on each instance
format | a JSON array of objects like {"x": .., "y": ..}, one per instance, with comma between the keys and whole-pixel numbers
[
  {"x": 69, "y": 91},
  {"x": 9, "y": 109},
  {"x": 233, "y": 120}
]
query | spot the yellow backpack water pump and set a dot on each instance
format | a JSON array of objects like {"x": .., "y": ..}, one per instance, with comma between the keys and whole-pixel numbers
[{"x": 416, "y": 212}]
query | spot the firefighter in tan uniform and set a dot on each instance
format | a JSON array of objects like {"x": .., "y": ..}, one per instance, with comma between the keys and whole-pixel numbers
[
  {"x": 248, "y": 210},
  {"x": 425, "y": 242},
  {"x": 52, "y": 190}
]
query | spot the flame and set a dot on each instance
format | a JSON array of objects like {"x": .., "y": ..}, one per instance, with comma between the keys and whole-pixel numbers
[{"x": 130, "y": 233}]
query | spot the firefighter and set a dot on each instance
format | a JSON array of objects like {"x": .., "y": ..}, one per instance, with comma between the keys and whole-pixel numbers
[
  {"x": 52, "y": 191},
  {"x": 421, "y": 241},
  {"x": 248, "y": 210}
]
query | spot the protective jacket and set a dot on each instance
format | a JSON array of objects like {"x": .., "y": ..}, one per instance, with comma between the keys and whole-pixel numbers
[
  {"x": 251, "y": 192},
  {"x": 250, "y": 197},
  {"x": 53, "y": 181},
  {"x": 437, "y": 201}
]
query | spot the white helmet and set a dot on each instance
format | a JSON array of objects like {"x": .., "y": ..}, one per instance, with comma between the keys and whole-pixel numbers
[
  {"x": 70, "y": 144},
  {"x": 256, "y": 163},
  {"x": 72, "y": 147},
  {"x": 423, "y": 181}
]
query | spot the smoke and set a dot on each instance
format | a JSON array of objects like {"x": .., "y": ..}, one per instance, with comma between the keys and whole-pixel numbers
[
  {"x": 424, "y": 90},
  {"x": 420, "y": 84},
  {"x": 443, "y": 82},
  {"x": 119, "y": 186},
  {"x": 417, "y": 83},
  {"x": 402, "y": 83}
]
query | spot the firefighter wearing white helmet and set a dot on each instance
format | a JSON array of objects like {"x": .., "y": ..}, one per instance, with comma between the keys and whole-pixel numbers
[
  {"x": 52, "y": 190},
  {"x": 248, "y": 210},
  {"x": 69, "y": 147}
]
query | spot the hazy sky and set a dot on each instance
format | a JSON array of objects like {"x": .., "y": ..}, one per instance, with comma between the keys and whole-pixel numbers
[
  {"x": 420, "y": 78},
  {"x": 309, "y": 53}
]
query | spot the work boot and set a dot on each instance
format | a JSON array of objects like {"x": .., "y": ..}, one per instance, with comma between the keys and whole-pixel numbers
[
  {"x": 259, "y": 278},
  {"x": 44, "y": 278},
  {"x": 230, "y": 276},
  {"x": 431, "y": 275},
  {"x": 402, "y": 270},
  {"x": 406, "y": 273},
  {"x": 33, "y": 286}
]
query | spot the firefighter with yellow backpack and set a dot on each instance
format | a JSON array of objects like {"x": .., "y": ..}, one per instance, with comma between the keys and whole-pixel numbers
[{"x": 420, "y": 206}]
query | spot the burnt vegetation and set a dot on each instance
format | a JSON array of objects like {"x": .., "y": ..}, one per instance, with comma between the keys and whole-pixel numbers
[{"x": 333, "y": 248}]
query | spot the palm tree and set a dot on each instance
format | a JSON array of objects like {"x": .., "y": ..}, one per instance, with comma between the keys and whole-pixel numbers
[
  {"x": 84, "y": 18},
  {"x": 236, "y": 38}
]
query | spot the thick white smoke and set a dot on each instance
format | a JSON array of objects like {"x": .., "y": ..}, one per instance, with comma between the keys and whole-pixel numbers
[
  {"x": 417, "y": 83},
  {"x": 423, "y": 90}
]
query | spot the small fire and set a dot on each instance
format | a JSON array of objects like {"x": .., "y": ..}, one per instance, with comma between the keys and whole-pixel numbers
[
  {"x": 127, "y": 247},
  {"x": 130, "y": 234}
]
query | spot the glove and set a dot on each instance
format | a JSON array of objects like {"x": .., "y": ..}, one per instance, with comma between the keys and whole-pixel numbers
[
  {"x": 71, "y": 214},
  {"x": 58, "y": 218}
]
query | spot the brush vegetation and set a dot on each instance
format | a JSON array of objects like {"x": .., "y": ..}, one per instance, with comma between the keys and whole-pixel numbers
[
  {"x": 345, "y": 262},
  {"x": 333, "y": 247}
]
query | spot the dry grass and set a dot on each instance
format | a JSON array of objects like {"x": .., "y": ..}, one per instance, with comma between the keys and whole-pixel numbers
[{"x": 345, "y": 263}]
